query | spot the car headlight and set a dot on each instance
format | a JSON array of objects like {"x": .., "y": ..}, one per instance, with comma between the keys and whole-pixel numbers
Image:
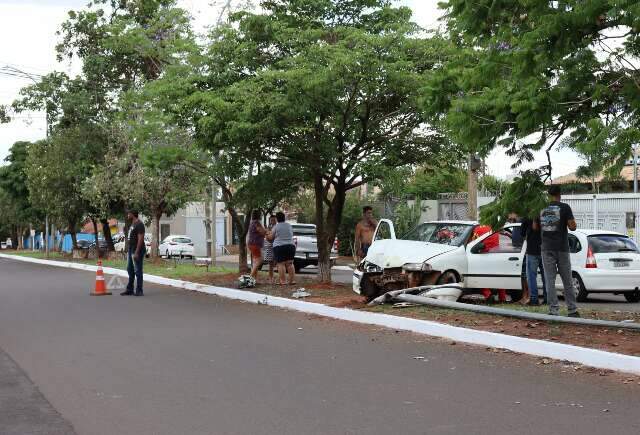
[
  {"x": 370, "y": 267},
  {"x": 416, "y": 267}
]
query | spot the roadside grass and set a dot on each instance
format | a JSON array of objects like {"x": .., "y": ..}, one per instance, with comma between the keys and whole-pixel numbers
[{"x": 165, "y": 268}]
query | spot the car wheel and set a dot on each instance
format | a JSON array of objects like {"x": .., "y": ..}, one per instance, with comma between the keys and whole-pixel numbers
[
  {"x": 632, "y": 296},
  {"x": 167, "y": 255},
  {"x": 581, "y": 291},
  {"x": 516, "y": 294},
  {"x": 297, "y": 266},
  {"x": 449, "y": 277}
]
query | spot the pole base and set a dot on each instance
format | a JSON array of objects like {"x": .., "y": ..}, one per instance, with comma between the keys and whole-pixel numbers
[{"x": 100, "y": 294}]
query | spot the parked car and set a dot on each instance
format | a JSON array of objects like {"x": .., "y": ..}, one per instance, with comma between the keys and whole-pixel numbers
[
  {"x": 176, "y": 245},
  {"x": 305, "y": 239},
  {"x": 119, "y": 241},
  {"x": 84, "y": 243},
  {"x": 3, "y": 245},
  {"x": 102, "y": 243},
  {"x": 443, "y": 252}
]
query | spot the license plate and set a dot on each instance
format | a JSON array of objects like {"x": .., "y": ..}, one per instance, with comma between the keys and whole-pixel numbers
[
  {"x": 620, "y": 264},
  {"x": 312, "y": 255}
]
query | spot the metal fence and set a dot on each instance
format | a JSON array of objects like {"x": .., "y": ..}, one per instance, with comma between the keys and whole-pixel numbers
[{"x": 610, "y": 212}]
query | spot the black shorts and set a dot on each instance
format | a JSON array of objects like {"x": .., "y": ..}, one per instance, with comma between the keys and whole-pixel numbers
[{"x": 284, "y": 253}]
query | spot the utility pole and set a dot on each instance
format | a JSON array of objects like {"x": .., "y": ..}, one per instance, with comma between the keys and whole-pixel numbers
[
  {"x": 472, "y": 186},
  {"x": 214, "y": 199},
  {"x": 635, "y": 168}
]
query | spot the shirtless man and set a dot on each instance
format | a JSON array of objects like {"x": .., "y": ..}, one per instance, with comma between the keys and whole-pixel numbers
[{"x": 364, "y": 232}]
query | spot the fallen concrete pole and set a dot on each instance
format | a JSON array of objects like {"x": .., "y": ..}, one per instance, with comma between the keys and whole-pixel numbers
[{"x": 513, "y": 313}]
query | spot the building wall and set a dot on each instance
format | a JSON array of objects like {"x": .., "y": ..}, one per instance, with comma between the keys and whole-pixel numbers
[{"x": 190, "y": 221}]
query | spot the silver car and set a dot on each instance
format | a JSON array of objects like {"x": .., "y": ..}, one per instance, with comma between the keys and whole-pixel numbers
[{"x": 304, "y": 237}]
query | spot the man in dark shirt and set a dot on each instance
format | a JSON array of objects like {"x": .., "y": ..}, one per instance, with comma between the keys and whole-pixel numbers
[
  {"x": 555, "y": 219},
  {"x": 533, "y": 259},
  {"x": 135, "y": 255}
]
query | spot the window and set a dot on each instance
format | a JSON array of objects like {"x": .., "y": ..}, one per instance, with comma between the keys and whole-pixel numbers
[
  {"x": 304, "y": 230},
  {"x": 441, "y": 233},
  {"x": 608, "y": 243},
  {"x": 182, "y": 240},
  {"x": 574, "y": 244},
  {"x": 384, "y": 231},
  {"x": 497, "y": 243}
]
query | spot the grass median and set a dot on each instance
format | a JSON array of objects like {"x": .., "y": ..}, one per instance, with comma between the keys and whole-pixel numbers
[{"x": 185, "y": 269}]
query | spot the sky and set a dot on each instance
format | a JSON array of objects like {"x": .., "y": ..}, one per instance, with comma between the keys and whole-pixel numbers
[{"x": 28, "y": 34}]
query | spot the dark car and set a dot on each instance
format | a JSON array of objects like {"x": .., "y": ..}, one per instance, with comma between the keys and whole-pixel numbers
[{"x": 84, "y": 244}]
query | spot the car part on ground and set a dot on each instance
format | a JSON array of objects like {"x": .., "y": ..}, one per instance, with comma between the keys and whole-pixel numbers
[
  {"x": 406, "y": 296},
  {"x": 246, "y": 281},
  {"x": 445, "y": 292}
]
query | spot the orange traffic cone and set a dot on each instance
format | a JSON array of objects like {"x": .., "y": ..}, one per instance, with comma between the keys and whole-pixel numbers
[{"x": 101, "y": 289}]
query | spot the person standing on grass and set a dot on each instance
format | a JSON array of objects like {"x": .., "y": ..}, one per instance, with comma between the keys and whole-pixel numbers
[
  {"x": 555, "y": 219},
  {"x": 365, "y": 230},
  {"x": 135, "y": 255},
  {"x": 533, "y": 260},
  {"x": 255, "y": 242},
  {"x": 284, "y": 249}
]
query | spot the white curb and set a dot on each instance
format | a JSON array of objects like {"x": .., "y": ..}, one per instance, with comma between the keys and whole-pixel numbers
[{"x": 559, "y": 351}]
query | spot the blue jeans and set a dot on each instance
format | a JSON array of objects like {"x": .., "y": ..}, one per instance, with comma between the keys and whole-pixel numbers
[
  {"x": 534, "y": 263},
  {"x": 134, "y": 268}
]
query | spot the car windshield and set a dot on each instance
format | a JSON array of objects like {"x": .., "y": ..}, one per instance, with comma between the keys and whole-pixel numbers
[
  {"x": 182, "y": 240},
  {"x": 303, "y": 230},
  {"x": 442, "y": 233},
  {"x": 608, "y": 243}
]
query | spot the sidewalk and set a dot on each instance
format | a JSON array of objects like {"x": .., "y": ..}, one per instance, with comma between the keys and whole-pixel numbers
[{"x": 23, "y": 409}]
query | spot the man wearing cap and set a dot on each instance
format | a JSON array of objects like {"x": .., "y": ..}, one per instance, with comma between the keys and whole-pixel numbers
[{"x": 135, "y": 255}]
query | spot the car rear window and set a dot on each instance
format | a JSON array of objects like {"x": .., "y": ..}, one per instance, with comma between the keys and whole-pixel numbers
[
  {"x": 607, "y": 243},
  {"x": 303, "y": 231}
]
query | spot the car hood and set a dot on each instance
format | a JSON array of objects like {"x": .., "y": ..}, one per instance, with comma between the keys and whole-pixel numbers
[{"x": 396, "y": 253}]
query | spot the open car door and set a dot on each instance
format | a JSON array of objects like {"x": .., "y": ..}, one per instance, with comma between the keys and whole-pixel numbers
[
  {"x": 495, "y": 261},
  {"x": 385, "y": 230}
]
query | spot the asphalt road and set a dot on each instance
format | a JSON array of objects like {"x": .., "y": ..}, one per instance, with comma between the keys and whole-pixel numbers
[{"x": 175, "y": 362}]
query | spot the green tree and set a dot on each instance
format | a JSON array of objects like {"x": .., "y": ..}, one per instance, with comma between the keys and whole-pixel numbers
[
  {"x": 524, "y": 74},
  {"x": 55, "y": 170},
  {"x": 13, "y": 182},
  {"x": 326, "y": 88}
]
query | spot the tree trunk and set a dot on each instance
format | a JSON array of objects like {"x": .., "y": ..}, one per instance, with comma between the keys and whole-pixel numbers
[
  {"x": 242, "y": 226},
  {"x": 74, "y": 240},
  {"x": 72, "y": 231},
  {"x": 327, "y": 224},
  {"x": 95, "y": 236},
  {"x": 155, "y": 233},
  {"x": 106, "y": 230}
]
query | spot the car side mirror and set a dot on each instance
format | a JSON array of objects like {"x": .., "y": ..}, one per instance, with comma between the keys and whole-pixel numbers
[{"x": 477, "y": 248}]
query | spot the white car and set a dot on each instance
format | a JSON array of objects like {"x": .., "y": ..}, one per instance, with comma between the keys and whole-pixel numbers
[
  {"x": 176, "y": 246},
  {"x": 445, "y": 252},
  {"x": 119, "y": 243}
]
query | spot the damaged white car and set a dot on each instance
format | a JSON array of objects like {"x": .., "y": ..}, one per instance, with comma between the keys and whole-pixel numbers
[{"x": 441, "y": 253}]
